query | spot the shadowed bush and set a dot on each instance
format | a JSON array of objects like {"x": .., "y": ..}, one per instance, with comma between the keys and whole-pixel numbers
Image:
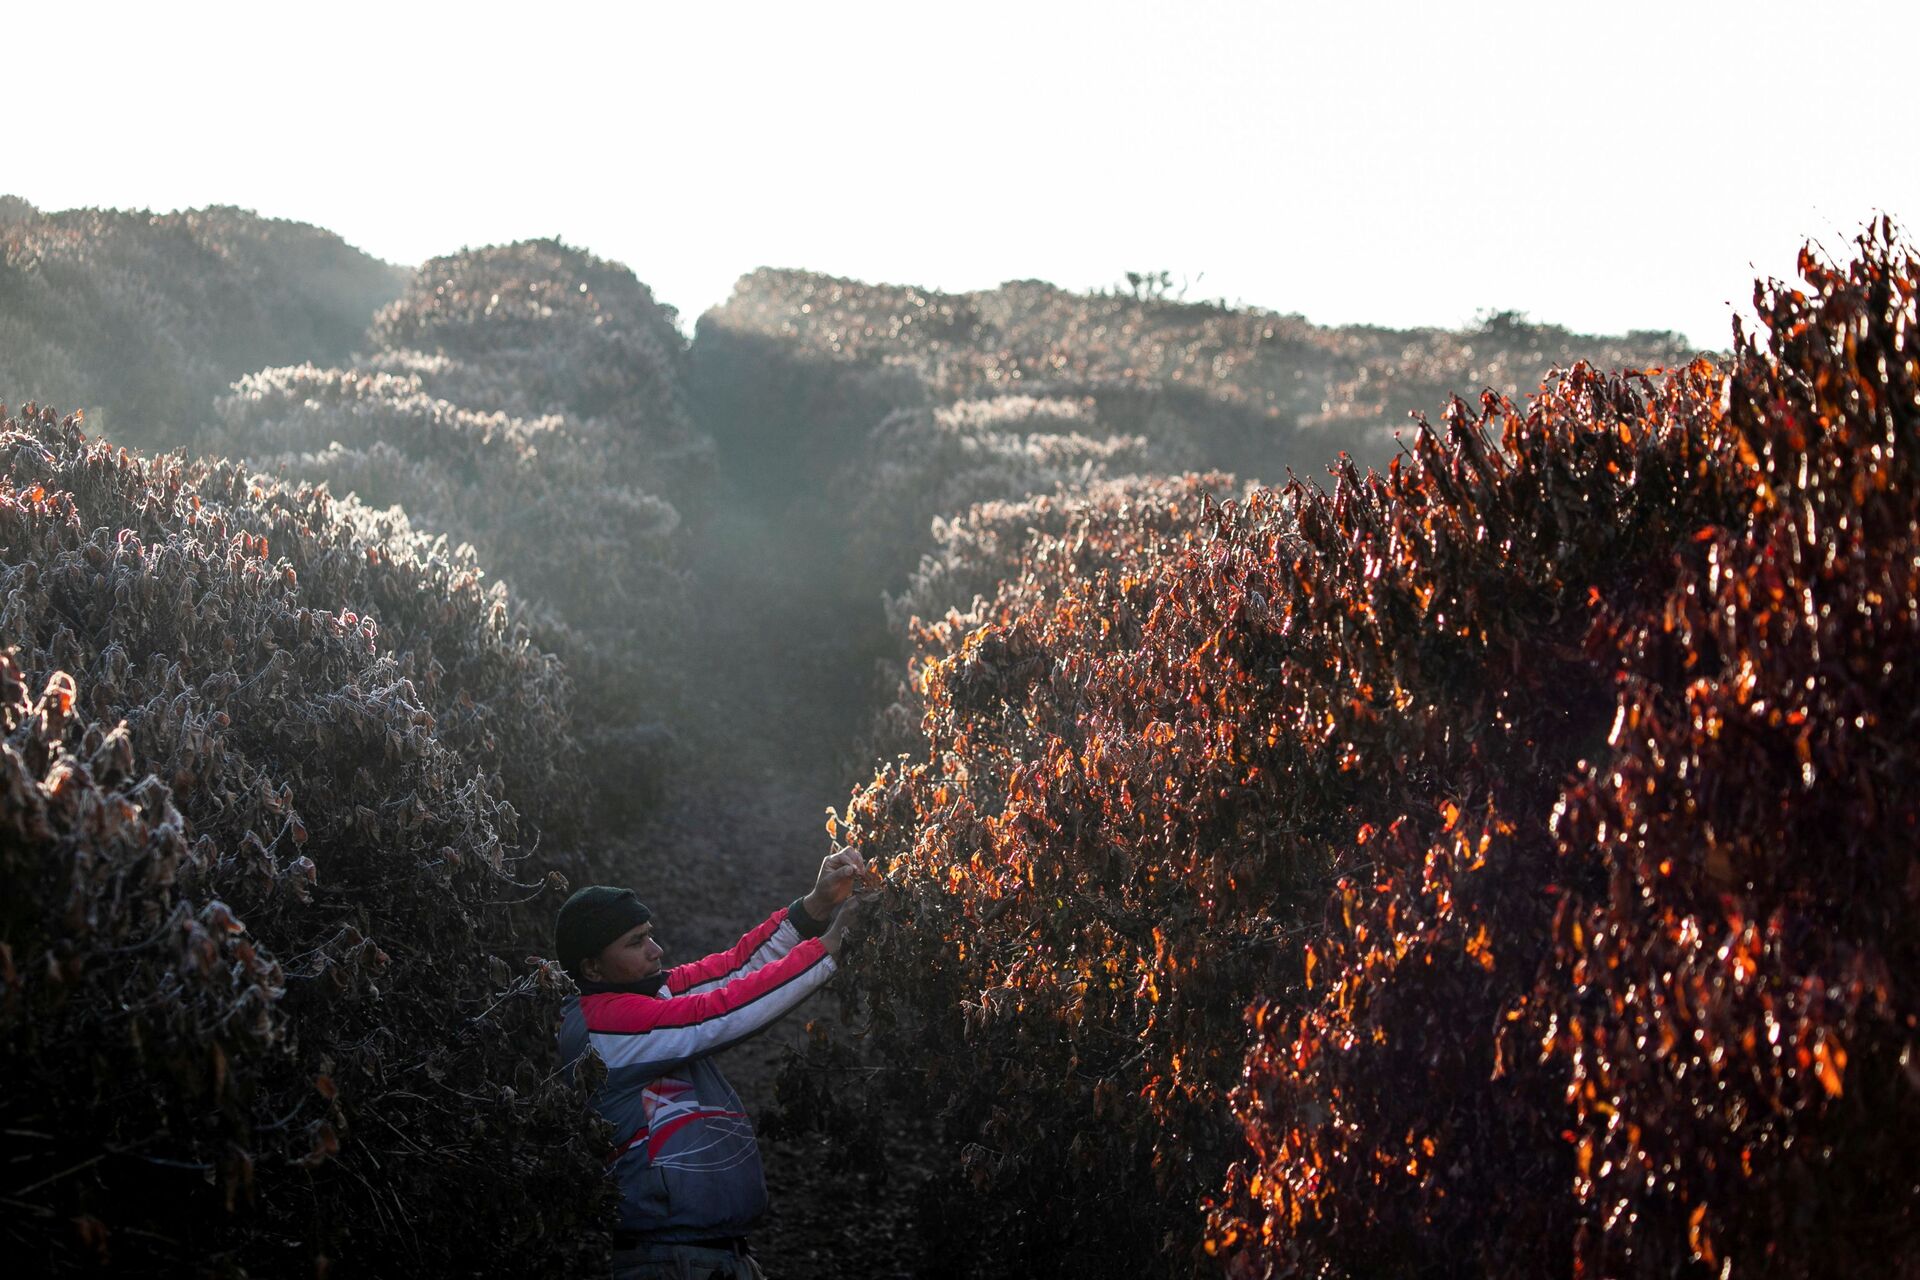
[
  {"x": 539, "y": 326},
  {"x": 271, "y": 763},
  {"x": 542, "y": 502},
  {"x": 920, "y": 464}
]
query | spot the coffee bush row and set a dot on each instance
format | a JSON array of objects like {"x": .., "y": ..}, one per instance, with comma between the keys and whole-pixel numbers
[
  {"x": 923, "y": 464},
  {"x": 795, "y": 367},
  {"x": 149, "y": 316},
  {"x": 276, "y": 768},
  {"x": 526, "y": 400},
  {"x": 1500, "y": 864}
]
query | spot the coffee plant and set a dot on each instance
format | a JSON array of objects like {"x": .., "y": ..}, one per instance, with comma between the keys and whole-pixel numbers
[
  {"x": 922, "y": 464},
  {"x": 541, "y": 327},
  {"x": 272, "y": 766},
  {"x": 1647, "y": 1011},
  {"x": 1023, "y": 989},
  {"x": 1001, "y": 556},
  {"x": 1515, "y": 836},
  {"x": 527, "y": 400},
  {"x": 150, "y": 316},
  {"x": 549, "y": 505},
  {"x": 796, "y": 367}
]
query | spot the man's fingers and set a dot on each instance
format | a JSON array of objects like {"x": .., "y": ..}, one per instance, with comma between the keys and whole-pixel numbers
[{"x": 839, "y": 871}]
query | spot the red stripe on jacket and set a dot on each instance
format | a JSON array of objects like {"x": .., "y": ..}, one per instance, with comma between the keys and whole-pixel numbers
[
  {"x": 621, "y": 1013},
  {"x": 722, "y": 964}
]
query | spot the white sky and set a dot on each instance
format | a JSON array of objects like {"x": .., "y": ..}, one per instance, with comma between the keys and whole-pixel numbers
[{"x": 1630, "y": 165}]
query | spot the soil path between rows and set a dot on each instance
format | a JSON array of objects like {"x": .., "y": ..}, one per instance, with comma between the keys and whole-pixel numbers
[{"x": 737, "y": 831}]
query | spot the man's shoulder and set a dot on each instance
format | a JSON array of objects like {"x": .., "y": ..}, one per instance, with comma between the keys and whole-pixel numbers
[{"x": 619, "y": 1012}]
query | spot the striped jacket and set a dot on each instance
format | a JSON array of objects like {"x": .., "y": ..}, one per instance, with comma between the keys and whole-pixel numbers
[{"x": 686, "y": 1160}]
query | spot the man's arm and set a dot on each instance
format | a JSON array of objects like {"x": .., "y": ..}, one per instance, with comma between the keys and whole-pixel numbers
[
  {"x": 627, "y": 1029},
  {"x": 764, "y": 943},
  {"x": 805, "y": 917}
]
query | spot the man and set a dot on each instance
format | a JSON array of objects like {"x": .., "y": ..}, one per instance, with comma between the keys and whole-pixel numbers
[{"x": 688, "y": 1166}]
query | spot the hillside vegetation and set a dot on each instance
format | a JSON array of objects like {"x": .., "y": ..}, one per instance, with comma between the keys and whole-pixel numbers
[
  {"x": 526, "y": 400},
  {"x": 1497, "y": 863},
  {"x": 796, "y": 366},
  {"x": 149, "y": 316}
]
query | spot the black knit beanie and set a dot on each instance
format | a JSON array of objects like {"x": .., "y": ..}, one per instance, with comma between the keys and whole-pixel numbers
[{"x": 592, "y": 918}]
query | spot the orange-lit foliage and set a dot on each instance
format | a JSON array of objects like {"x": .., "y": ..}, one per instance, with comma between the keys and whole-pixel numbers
[
  {"x": 1652, "y": 1014},
  {"x": 1540, "y": 808},
  {"x": 1001, "y": 557},
  {"x": 1743, "y": 994},
  {"x": 1067, "y": 928},
  {"x": 1453, "y": 598}
]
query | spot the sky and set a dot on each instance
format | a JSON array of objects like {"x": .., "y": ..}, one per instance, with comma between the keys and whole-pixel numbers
[{"x": 1602, "y": 166}]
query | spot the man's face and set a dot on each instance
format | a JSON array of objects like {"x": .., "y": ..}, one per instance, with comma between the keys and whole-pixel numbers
[{"x": 628, "y": 958}]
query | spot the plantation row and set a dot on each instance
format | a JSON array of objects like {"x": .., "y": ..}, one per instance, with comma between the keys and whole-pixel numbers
[
  {"x": 1501, "y": 865},
  {"x": 796, "y": 367},
  {"x": 283, "y": 762},
  {"x": 528, "y": 401},
  {"x": 273, "y": 768},
  {"x": 155, "y": 314}
]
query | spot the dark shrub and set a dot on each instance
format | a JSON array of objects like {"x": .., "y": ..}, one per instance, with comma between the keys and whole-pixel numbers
[{"x": 270, "y": 763}]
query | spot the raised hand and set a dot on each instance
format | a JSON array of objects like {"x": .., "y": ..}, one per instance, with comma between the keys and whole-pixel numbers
[
  {"x": 837, "y": 931},
  {"x": 839, "y": 872}
]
